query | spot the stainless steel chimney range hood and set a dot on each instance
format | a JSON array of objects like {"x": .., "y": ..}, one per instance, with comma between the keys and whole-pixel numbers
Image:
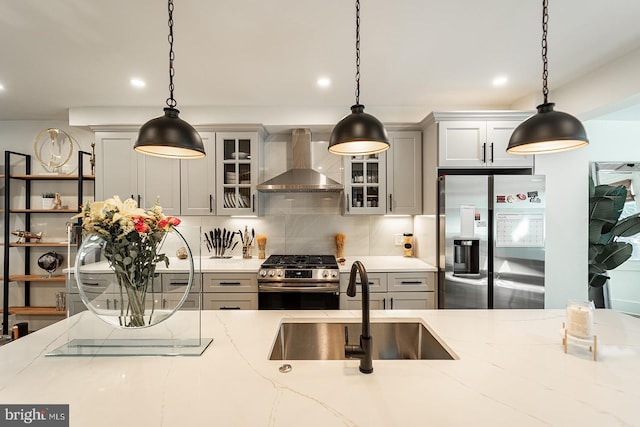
[{"x": 300, "y": 177}]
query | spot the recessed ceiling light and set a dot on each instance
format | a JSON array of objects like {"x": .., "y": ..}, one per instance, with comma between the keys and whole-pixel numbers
[
  {"x": 137, "y": 83},
  {"x": 324, "y": 82},
  {"x": 1, "y": 86},
  {"x": 500, "y": 81}
]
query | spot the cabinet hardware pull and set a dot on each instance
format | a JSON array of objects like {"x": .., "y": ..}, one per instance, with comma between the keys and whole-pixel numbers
[
  {"x": 369, "y": 282},
  {"x": 348, "y": 207},
  {"x": 115, "y": 304},
  {"x": 392, "y": 303},
  {"x": 91, "y": 284},
  {"x": 411, "y": 282},
  {"x": 492, "y": 152},
  {"x": 164, "y": 303},
  {"x": 178, "y": 283},
  {"x": 210, "y": 203},
  {"x": 229, "y": 308},
  {"x": 132, "y": 196},
  {"x": 390, "y": 202},
  {"x": 139, "y": 200},
  {"x": 108, "y": 306},
  {"x": 484, "y": 153},
  {"x": 384, "y": 303},
  {"x": 253, "y": 203},
  {"x": 230, "y": 283}
]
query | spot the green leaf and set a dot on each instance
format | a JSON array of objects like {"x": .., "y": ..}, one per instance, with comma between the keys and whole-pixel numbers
[
  {"x": 118, "y": 257},
  {"x": 598, "y": 280},
  {"x": 127, "y": 261},
  {"x": 614, "y": 255},
  {"x": 133, "y": 253},
  {"x": 627, "y": 227}
]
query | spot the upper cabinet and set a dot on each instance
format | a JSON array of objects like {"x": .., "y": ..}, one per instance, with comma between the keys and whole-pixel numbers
[
  {"x": 198, "y": 180},
  {"x": 404, "y": 173},
  {"x": 467, "y": 140},
  {"x": 237, "y": 173},
  {"x": 365, "y": 184},
  {"x": 475, "y": 143},
  {"x": 123, "y": 172},
  {"x": 389, "y": 182}
]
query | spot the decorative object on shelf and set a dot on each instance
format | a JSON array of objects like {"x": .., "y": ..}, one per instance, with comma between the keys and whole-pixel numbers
[
  {"x": 53, "y": 149},
  {"x": 169, "y": 135},
  {"x": 61, "y": 301},
  {"x": 340, "y": 240},
  {"x": 408, "y": 244},
  {"x": 181, "y": 253},
  {"x": 261, "y": 239},
  {"x": 359, "y": 132},
  {"x": 547, "y": 131},
  {"x": 57, "y": 202},
  {"x": 92, "y": 158},
  {"x": 48, "y": 200},
  {"x": 24, "y": 235},
  {"x": 219, "y": 241},
  {"x": 131, "y": 240},
  {"x": 50, "y": 262},
  {"x": 579, "y": 326}
]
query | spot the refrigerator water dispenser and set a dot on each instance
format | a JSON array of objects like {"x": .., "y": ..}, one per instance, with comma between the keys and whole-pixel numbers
[{"x": 466, "y": 257}]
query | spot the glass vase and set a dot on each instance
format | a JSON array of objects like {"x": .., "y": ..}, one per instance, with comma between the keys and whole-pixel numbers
[{"x": 123, "y": 288}]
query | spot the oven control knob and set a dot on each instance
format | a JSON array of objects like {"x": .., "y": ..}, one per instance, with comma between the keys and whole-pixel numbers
[
  {"x": 334, "y": 274},
  {"x": 280, "y": 273},
  {"x": 272, "y": 273},
  {"x": 263, "y": 273},
  {"x": 325, "y": 274}
]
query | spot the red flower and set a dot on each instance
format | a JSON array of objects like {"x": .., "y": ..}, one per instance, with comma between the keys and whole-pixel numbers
[
  {"x": 140, "y": 225},
  {"x": 170, "y": 220}
]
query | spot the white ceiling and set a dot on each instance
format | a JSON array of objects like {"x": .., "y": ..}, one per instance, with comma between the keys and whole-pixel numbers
[{"x": 417, "y": 55}]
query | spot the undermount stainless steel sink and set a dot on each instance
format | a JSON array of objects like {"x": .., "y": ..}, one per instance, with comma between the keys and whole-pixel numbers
[{"x": 325, "y": 341}]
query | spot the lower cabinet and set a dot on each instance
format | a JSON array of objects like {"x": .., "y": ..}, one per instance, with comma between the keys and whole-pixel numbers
[
  {"x": 229, "y": 291},
  {"x": 389, "y": 291}
]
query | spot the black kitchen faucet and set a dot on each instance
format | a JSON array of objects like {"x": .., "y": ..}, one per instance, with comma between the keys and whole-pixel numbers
[{"x": 364, "y": 350}]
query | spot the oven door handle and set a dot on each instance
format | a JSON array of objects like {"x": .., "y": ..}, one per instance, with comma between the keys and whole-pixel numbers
[{"x": 278, "y": 288}]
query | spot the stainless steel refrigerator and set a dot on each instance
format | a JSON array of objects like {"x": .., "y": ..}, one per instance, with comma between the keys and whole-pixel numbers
[{"x": 491, "y": 236}]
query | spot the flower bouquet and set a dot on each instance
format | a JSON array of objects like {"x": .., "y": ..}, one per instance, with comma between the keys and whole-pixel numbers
[{"x": 131, "y": 240}]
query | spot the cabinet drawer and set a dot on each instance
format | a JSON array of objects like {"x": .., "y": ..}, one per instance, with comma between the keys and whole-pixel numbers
[
  {"x": 411, "y": 300},
  {"x": 376, "y": 301},
  {"x": 230, "y": 301},
  {"x": 103, "y": 283},
  {"x": 411, "y": 281},
  {"x": 192, "y": 302},
  {"x": 229, "y": 282},
  {"x": 377, "y": 282},
  {"x": 176, "y": 282}
]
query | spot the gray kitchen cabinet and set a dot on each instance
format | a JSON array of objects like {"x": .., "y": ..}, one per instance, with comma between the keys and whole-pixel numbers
[
  {"x": 404, "y": 173},
  {"x": 467, "y": 140},
  {"x": 198, "y": 181},
  {"x": 475, "y": 143},
  {"x": 388, "y": 182},
  {"x": 229, "y": 291},
  {"x": 123, "y": 172},
  {"x": 393, "y": 290},
  {"x": 237, "y": 155},
  {"x": 103, "y": 292}
]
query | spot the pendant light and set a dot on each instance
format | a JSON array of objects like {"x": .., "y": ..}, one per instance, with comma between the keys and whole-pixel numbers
[
  {"x": 169, "y": 135},
  {"x": 548, "y": 131},
  {"x": 359, "y": 132}
]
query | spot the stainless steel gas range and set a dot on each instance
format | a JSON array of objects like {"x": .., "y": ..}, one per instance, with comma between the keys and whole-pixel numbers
[{"x": 299, "y": 282}]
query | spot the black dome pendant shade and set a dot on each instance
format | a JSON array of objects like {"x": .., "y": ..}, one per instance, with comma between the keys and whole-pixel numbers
[
  {"x": 547, "y": 131},
  {"x": 358, "y": 133},
  {"x": 169, "y": 135}
]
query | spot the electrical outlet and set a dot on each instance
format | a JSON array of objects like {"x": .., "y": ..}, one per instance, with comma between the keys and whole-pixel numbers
[{"x": 399, "y": 239}]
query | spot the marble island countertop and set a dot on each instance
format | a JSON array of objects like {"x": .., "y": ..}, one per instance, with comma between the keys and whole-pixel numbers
[{"x": 511, "y": 371}]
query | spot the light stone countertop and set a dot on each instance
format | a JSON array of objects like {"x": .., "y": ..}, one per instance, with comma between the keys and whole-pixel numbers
[
  {"x": 511, "y": 372},
  {"x": 240, "y": 265}
]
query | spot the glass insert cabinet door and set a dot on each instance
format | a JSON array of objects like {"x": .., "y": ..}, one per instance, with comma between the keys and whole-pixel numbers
[
  {"x": 236, "y": 172},
  {"x": 365, "y": 184}
]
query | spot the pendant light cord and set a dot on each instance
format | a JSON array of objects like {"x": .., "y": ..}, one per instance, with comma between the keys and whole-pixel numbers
[
  {"x": 171, "y": 102},
  {"x": 357, "y": 52},
  {"x": 545, "y": 64}
]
